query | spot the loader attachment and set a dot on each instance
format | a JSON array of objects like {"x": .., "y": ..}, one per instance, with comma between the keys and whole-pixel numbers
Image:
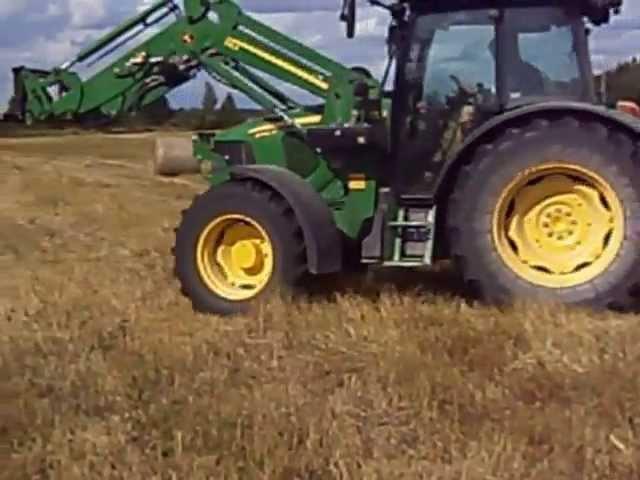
[
  {"x": 215, "y": 37},
  {"x": 36, "y": 93},
  {"x": 18, "y": 102},
  {"x": 135, "y": 79}
]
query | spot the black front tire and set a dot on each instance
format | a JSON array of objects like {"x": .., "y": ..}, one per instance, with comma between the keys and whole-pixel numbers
[{"x": 261, "y": 205}]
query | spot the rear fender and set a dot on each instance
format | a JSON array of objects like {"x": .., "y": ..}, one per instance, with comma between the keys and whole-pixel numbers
[{"x": 493, "y": 128}]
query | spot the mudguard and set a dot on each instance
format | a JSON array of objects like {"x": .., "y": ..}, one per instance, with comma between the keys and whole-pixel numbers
[
  {"x": 612, "y": 118},
  {"x": 322, "y": 238}
]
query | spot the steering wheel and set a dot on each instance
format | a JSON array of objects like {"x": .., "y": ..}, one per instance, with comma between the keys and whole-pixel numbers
[{"x": 348, "y": 16}]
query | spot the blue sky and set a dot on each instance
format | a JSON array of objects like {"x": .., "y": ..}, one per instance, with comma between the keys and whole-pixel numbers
[{"x": 45, "y": 33}]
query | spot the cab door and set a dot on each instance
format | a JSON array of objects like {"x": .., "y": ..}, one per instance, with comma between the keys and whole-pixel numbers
[{"x": 445, "y": 83}]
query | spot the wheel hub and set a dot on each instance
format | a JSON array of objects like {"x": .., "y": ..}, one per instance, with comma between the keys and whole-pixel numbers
[
  {"x": 558, "y": 223},
  {"x": 245, "y": 254},
  {"x": 558, "y": 226},
  {"x": 235, "y": 257}
]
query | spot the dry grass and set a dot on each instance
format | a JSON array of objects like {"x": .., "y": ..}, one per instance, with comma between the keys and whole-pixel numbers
[{"x": 106, "y": 373}]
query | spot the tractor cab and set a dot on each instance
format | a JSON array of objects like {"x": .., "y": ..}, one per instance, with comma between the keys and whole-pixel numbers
[
  {"x": 503, "y": 57},
  {"x": 460, "y": 66}
]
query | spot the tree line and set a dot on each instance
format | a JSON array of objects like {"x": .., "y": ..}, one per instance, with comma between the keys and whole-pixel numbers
[
  {"x": 211, "y": 114},
  {"x": 622, "y": 82}
]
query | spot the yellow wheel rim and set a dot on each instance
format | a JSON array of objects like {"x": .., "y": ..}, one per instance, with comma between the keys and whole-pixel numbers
[
  {"x": 558, "y": 225},
  {"x": 235, "y": 257}
]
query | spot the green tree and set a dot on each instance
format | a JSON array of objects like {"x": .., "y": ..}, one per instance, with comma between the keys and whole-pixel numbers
[
  {"x": 210, "y": 98},
  {"x": 157, "y": 112},
  {"x": 229, "y": 113},
  {"x": 229, "y": 104}
]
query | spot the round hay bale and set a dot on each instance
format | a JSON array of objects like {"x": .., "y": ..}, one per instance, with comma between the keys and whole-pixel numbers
[{"x": 174, "y": 156}]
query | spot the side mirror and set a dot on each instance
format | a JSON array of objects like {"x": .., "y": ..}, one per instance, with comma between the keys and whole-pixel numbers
[{"x": 348, "y": 16}]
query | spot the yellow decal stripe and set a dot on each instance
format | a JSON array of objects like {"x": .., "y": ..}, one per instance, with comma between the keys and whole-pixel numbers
[
  {"x": 309, "y": 120},
  {"x": 235, "y": 44},
  {"x": 357, "y": 181},
  {"x": 265, "y": 134}
]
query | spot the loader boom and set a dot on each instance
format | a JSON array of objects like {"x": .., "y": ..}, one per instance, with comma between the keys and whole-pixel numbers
[{"x": 214, "y": 36}]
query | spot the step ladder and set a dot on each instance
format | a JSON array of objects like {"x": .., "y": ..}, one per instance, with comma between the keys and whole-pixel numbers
[{"x": 403, "y": 239}]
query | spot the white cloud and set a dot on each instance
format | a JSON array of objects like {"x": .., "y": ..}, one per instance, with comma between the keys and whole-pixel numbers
[
  {"x": 619, "y": 40},
  {"x": 54, "y": 9},
  {"x": 85, "y": 13},
  {"x": 10, "y": 8}
]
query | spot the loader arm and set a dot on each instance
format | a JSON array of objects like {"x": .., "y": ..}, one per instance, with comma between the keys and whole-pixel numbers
[{"x": 214, "y": 36}]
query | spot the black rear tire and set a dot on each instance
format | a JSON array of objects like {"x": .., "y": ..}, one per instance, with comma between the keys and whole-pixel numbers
[
  {"x": 569, "y": 142},
  {"x": 258, "y": 204}
]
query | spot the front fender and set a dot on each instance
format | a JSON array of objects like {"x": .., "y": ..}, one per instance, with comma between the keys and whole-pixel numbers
[{"x": 323, "y": 242}]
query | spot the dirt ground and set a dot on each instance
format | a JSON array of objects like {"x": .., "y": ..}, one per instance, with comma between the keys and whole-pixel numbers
[{"x": 105, "y": 372}]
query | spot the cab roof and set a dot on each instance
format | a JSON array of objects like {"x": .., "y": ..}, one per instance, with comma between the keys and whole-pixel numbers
[{"x": 598, "y": 11}]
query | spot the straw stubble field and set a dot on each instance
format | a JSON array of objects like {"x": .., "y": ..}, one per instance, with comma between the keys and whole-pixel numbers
[{"x": 106, "y": 373}]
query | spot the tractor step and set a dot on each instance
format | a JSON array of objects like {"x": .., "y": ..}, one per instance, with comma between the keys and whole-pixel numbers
[
  {"x": 413, "y": 236},
  {"x": 416, "y": 200},
  {"x": 403, "y": 263},
  {"x": 407, "y": 224},
  {"x": 402, "y": 233}
]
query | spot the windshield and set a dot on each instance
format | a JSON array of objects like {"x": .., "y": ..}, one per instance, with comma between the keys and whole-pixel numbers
[
  {"x": 540, "y": 52},
  {"x": 447, "y": 49},
  {"x": 456, "y": 51}
]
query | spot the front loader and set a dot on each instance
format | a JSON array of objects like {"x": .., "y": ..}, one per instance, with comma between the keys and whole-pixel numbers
[{"x": 166, "y": 46}]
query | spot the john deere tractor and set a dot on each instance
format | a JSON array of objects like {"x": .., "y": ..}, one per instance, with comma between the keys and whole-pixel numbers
[{"x": 487, "y": 147}]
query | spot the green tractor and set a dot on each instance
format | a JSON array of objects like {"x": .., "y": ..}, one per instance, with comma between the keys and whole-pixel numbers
[
  {"x": 487, "y": 146},
  {"x": 490, "y": 149}
]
